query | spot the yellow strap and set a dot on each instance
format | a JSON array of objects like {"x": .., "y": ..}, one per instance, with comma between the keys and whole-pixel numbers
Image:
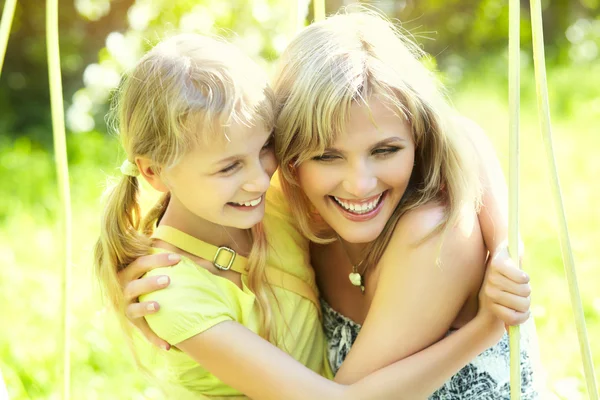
[
  {"x": 224, "y": 256},
  {"x": 201, "y": 249}
]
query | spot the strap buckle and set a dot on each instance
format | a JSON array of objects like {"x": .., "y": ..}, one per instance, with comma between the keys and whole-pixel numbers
[{"x": 231, "y": 260}]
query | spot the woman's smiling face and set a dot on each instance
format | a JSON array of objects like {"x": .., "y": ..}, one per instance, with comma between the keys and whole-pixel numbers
[{"x": 356, "y": 184}]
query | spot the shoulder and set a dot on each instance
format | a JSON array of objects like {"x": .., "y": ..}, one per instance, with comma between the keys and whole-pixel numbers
[
  {"x": 472, "y": 131},
  {"x": 191, "y": 283},
  {"x": 194, "y": 301},
  {"x": 458, "y": 248},
  {"x": 465, "y": 122}
]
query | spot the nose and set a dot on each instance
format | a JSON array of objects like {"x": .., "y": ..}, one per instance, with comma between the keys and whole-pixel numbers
[
  {"x": 360, "y": 181},
  {"x": 258, "y": 179}
]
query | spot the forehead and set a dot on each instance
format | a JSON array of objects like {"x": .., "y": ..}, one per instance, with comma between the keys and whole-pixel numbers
[
  {"x": 236, "y": 139},
  {"x": 372, "y": 121}
]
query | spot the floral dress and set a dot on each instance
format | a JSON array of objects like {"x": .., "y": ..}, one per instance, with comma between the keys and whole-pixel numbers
[{"x": 485, "y": 378}]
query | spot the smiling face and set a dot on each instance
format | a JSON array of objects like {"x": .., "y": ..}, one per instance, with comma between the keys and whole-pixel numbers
[
  {"x": 224, "y": 182},
  {"x": 358, "y": 181}
]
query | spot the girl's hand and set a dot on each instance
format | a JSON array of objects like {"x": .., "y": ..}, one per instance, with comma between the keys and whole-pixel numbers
[
  {"x": 134, "y": 286},
  {"x": 505, "y": 292}
]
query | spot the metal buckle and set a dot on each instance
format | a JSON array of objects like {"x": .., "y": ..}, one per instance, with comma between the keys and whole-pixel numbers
[{"x": 231, "y": 260}]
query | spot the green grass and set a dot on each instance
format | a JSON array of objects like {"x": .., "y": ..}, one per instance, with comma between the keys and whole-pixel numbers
[{"x": 102, "y": 365}]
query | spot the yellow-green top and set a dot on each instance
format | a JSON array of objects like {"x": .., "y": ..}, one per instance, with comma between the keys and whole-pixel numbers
[{"x": 197, "y": 300}]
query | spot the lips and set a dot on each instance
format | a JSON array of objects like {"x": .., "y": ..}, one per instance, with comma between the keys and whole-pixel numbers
[
  {"x": 360, "y": 207},
  {"x": 364, "y": 210},
  {"x": 247, "y": 205}
]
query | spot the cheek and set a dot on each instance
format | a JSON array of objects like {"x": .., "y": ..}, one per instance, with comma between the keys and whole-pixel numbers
[
  {"x": 399, "y": 172},
  {"x": 310, "y": 178}
]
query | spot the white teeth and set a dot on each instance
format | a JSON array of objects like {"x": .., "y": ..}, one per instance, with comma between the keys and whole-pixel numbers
[
  {"x": 251, "y": 203},
  {"x": 359, "y": 208}
]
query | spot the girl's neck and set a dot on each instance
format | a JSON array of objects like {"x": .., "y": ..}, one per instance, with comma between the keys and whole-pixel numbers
[{"x": 180, "y": 218}]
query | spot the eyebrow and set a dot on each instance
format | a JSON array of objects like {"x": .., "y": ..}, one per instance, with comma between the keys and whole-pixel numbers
[
  {"x": 390, "y": 140},
  {"x": 237, "y": 157}
]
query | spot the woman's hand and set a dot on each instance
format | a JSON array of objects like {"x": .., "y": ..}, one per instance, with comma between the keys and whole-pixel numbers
[
  {"x": 505, "y": 292},
  {"x": 134, "y": 286}
]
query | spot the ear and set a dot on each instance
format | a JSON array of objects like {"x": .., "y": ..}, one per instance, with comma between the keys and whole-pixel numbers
[{"x": 150, "y": 172}]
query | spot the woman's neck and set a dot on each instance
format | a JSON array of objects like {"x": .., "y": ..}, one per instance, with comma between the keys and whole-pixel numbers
[
  {"x": 354, "y": 251},
  {"x": 180, "y": 218}
]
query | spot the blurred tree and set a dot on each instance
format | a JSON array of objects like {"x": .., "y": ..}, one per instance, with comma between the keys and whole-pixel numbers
[
  {"x": 24, "y": 97},
  {"x": 102, "y": 38},
  {"x": 261, "y": 27}
]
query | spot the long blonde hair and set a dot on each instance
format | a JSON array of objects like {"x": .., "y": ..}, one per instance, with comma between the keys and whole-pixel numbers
[
  {"x": 184, "y": 78},
  {"x": 350, "y": 58}
]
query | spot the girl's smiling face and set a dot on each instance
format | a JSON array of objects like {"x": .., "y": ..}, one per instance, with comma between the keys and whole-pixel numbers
[
  {"x": 356, "y": 184},
  {"x": 224, "y": 182}
]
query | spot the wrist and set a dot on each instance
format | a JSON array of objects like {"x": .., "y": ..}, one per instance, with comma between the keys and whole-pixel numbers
[{"x": 489, "y": 327}]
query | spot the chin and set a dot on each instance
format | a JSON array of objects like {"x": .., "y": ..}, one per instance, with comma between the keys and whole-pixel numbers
[
  {"x": 361, "y": 236},
  {"x": 248, "y": 224}
]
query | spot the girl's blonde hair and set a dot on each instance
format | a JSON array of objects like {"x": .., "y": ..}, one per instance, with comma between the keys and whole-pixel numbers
[
  {"x": 350, "y": 58},
  {"x": 185, "y": 91}
]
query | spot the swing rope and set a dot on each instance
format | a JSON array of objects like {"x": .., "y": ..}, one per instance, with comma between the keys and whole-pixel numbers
[
  {"x": 60, "y": 153},
  {"x": 514, "y": 65},
  {"x": 7, "y": 17},
  {"x": 565, "y": 243}
]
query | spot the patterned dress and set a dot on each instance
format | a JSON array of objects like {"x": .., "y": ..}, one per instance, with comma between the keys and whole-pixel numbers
[{"x": 485, "y": 378}]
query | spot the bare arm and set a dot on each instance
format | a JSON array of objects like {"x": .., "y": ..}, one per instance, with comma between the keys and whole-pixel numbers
[
  {"x": 261, "y": 371},
  {"x": 417, "y": 299},
  {"x": 493, "y": 217}
]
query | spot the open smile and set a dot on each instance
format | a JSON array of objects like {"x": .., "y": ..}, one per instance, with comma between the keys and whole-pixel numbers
[
  {"x": 247, "y": 205},
  {"x": 362, "y": 210}
]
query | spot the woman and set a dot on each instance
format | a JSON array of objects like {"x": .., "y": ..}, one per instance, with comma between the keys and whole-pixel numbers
[{"x": 379, "y": 176}]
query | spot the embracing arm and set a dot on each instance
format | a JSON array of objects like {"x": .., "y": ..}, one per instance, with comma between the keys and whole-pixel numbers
[
  {"x": 261, "y": 371},
  {"x": 246, "y": 362},
  {"x": 420, "y": 291},
  {"x": 493, "y": 216}
]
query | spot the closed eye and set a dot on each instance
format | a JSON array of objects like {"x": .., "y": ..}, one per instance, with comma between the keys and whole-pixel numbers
[
  {"x": 385, "y": 151},
  {"x": 230, "y": 168},
  {"x": 325, "y": 157}
]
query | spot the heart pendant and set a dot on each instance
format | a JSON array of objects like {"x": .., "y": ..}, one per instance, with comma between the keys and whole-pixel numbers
[{"x": 355, "y": 278}]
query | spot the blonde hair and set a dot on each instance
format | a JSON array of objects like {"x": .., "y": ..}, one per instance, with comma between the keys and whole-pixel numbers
[
  {"x": 184, "y": 80},
  {"x": 350, "y": 58}
]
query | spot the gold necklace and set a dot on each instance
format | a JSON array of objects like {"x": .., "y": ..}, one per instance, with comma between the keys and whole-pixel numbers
[{"x": 356, "y": 278}]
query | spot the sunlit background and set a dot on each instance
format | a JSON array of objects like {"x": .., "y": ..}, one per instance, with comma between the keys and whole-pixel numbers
[{"x": 101, "y": 38}]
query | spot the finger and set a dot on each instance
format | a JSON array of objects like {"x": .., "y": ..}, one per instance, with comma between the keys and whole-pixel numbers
[
  {"x": 142, "y": 325},
  {"x": 508, "y": 316},
  {"x": 503, "y": 265},
  {"x": 147, "y": 263},
  {"x": 138, "y": 287},
  {"x": 504, "y": 284},
  {"x": 508, "y": 300},
  {"x": 139, "y": 310}
]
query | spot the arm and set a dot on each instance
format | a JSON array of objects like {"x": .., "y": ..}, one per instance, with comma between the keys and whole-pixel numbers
[
  {"x": 493, "y": 216},
  {"x": 260, "y": 370},
  {"x": 417, "y": 299}
]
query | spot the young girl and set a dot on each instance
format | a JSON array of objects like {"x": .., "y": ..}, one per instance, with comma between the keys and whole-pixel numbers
[{"x": 196, "y": 122}]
